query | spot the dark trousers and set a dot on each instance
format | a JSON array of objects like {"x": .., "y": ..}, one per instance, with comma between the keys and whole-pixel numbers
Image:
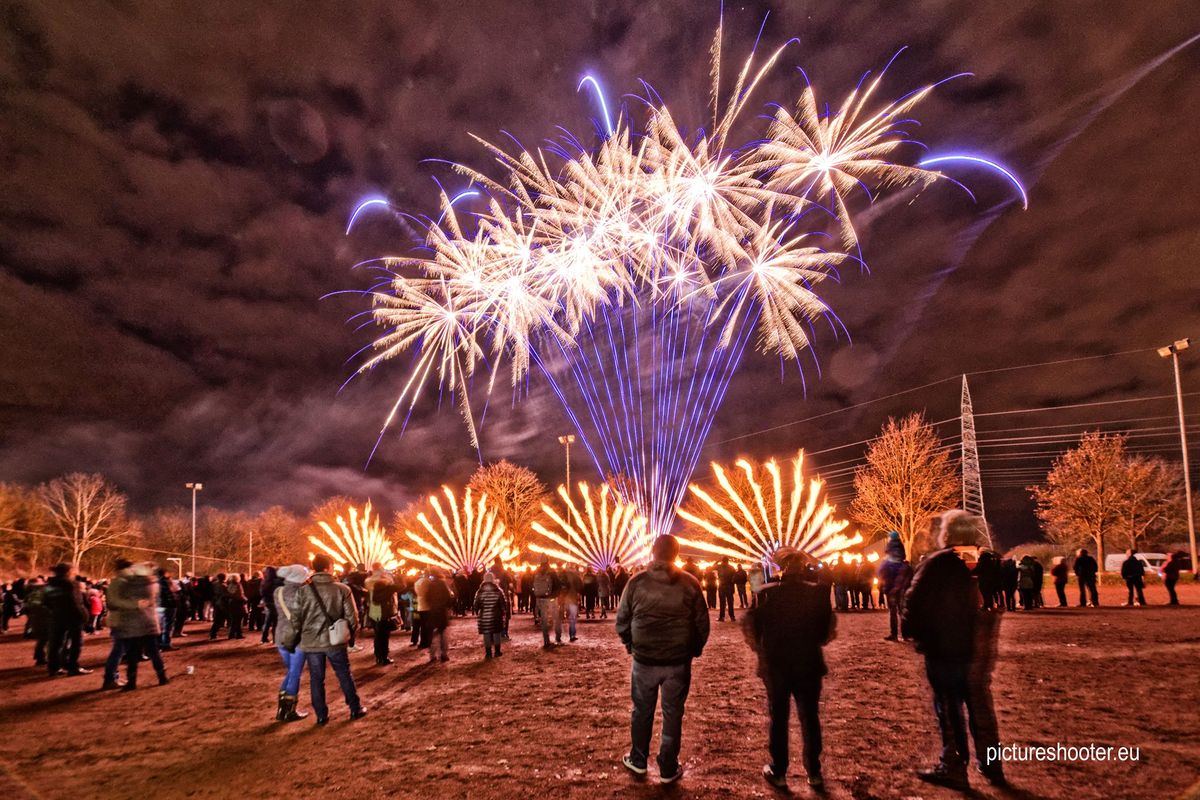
[
  {"x": 1010, "y": 599},
  {"x": 269, "y": 622},
  {"x": 1135, "y": 585},
  {"x": 63, "y": 646},
  {"x": 383, "y": 631},
  {"x": 1088, "y": 586},
  {"x": 237, "y": 618},
  {"x": 135, "y": 648},
  {"x": 1027, "y": 599},
  {"x": 112, "y": 665},
  {"x": 894, "y": 602},
  {"x": 167, "y": 625},
  {"x": 1061, "y": 590},
  {"x": 805, "y": 691},
  {"x": 182, "y": 614},
  {"x": 340, "y": 661},
  {"x": 957, "y": 686},
  {"x": 218, "y": 620},
  {"x": 646, "y": 682},
  {"x": 741, "y": 593},
  {"x": 726, "y": 596},
  {"x": 1170, "y": 584},
  {"x": 710, "y": 596}
]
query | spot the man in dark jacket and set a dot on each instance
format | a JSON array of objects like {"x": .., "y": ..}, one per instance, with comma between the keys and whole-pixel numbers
[
  {"x": 1133, "y": 570},
  {"x": 895, "y": 574},
  {"x": 319, "y": 604},
  {"x": 725, "y": 589},
  {"x": 663, "y": 622},
  {"x": 942, "y": 613},
  {"x": 787, "y": 629},
  {"x": 1085, "y": 572},
  {"x": 546, "y": 586},
  {"x": 63, "y": 602},
  {"x": 740, "y": 577}
]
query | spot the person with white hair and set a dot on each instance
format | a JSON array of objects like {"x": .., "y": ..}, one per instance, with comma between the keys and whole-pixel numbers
[
  {"x": 942, "y": 612},
  {"x": 284, "y": 603}
]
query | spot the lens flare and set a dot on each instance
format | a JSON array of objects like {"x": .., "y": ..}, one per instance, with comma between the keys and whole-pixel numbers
[
  {"x": 359, "y": 540},
  {"x": 604, "y": 532},
  {"x": 461, "y": 535},
  {"x": 752, "y": 521}
]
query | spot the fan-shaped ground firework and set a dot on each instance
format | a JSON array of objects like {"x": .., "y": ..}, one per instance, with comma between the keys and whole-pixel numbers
[
  {"x": 358, "y": 539},
  {"x": 601, "y": 533},
  {"x": 459, "y": 535}
]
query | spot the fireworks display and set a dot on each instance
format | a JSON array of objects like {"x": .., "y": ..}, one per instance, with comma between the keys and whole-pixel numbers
[
  {"x": 604, "y": 532},
  {"x": 632, "y": 275},
  {"x": 459, "y": 535},
  {"x": 750, "y": 521},
  {"x": 361, "y": 540}
]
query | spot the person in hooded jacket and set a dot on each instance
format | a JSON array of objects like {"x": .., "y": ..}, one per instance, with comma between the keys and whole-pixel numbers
[
  {"x": 894, "y": 576},
  {"x": 133, "y": 618},
  {"x": 288, "y": 581},
  {"x": 492, "y": 612},
  {"x": 63, "y": 602},
  {"x": 663, "y": 623},
  {"x": 787, "y": 630},
  {"x": 943, "y": 613}
]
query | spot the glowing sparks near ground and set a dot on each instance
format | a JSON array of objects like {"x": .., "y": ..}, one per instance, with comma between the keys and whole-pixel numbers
[
  {"x": 986, "y": 162},
  {"x": 455, "y": 535},
  {"x": 358, "y": 540},
  {"x": 750, "y": 521},
  {"x": 633, "y": 275},
  {"x": 603, "y": 532}
]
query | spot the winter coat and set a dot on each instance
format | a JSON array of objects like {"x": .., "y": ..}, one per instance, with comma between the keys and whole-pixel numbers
[
  {"x": 941, "y": 606},
  {"x": 791, "y": 623},
  {"x": 570, "y": 587},
  {"x": 1059, "y": 572},
  {"x": 1172, "y": 568},
  {"x": 312, "y": 622},
  {"x": 1025, "y": 574},
  {"x": 131, "y": 606},
  {"x": 1132, "y": 569},
  {"x": 725, "y": 577},
  {"x": 63, "y": 601},
  {"x": 544, "y": 583},
  {"x": 1086, "y": 568},
  {"x": 435, "y": 603},
  {"x": 891, "y": 574},
  {"x": 491, "y": 608},
  {"x": 1009, "y": 575},
  {"x": 603, "y": 584},
  {"x": 285, "y": 602},
  {"x": 382, "y": 598},
  {"x": 663, "y": 619},
  {"x": 270, "y": 585}
]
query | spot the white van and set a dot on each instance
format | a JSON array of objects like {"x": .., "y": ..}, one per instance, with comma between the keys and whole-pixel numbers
[{"x": 1153, "y": 561}]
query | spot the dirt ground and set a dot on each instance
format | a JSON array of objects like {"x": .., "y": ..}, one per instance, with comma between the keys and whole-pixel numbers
[{"x": 537, "y": 724}]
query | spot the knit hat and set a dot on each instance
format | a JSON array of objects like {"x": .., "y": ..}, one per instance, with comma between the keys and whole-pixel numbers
[{"x": 295, "y": 573}]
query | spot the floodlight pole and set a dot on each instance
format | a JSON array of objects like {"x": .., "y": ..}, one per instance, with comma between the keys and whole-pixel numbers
[
  {"x": 195, "y": 487},
  {"x": 566, "y": 441},
  {"x": 1172, "y": 351}
]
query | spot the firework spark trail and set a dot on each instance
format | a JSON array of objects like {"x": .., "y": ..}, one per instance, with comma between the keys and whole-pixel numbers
[
  {"x": 634, "y": 275},
  {"x": 461, "y": 536},
  {"x": 752, "y": 522},
  {"x": 359, "y": 541},
  {"x": 600, "y": 535}
]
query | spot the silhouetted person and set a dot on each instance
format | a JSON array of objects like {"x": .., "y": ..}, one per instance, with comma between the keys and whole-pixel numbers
[
  {"x": 63, "y": 603},
  {"x": 1170, "y": 573},
  {"x": 725, "y": 574},
  {"x": 1085, "y": 573},
  {"x": 1026, "y": 581},
  {"x": 1059, "y": 572},
  {"x": 1009, "y": 579},
  {"x": 895, "y": 574},
  {"x": 663, "y": 622},
  {"x": 740, "y": 578},
  {"x": 1133, "y": 570},
  {"x": 787, "y": 629},
  {"x": 987, "y": 576},
  {"x": 710, "y": 587},
  {"x": 942, "y": 612}
]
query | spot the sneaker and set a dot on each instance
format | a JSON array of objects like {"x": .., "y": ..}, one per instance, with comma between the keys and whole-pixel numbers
[
  {"x": 627, "y": 762},
  {"x": 79, "y": 671},
  {"x": 356, "y": 649},
  {"x": 669, "y": 779},
  {"x": 777, "y": 781},
  {"x": 107, "y": 685},
  {"x": 941, "y": 775}
]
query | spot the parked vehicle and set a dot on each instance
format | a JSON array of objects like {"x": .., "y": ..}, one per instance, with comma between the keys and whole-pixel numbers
[{"x": 1153, "y": 561}]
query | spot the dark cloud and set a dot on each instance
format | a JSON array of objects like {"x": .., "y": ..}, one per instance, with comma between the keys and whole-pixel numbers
[{"x": 175, "y": 178}]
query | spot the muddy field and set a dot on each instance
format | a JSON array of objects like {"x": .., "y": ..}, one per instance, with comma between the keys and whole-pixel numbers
[{"x": 537, "y": 724}]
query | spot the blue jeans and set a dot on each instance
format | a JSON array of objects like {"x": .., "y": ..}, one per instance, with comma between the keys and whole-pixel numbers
[
  {"x": 293, "y": 666},
  {"x": 166, "y": 621},
  {"x": 645, "y": 683},
  {"x": 571, "y": 612},
  {"x": 340, "y": 661},
  {"x": 113, "y": 664}
]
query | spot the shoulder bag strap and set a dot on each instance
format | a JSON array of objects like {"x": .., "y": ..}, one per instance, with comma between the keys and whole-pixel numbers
[{"x": 321, "y": 603}]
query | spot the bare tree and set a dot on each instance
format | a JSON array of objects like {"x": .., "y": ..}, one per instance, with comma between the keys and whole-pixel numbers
[
  {"x": 908, "y": 479},
  {"x": 516, "y": 494},
  {"x": 1084, "y": 496},
  {"x": 23, "y": 523},
  {"x": 87, "y": 511}
]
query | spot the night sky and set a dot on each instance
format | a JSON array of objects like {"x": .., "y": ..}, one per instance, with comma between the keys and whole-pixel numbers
[{"x": 176, "y": 179}]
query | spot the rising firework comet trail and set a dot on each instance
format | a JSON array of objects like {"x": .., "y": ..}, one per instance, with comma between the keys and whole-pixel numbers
[
  {"x": 750, "y": 521},
  {"x": 601, "y": 533},
  {"x": 459, "y": 535},
  {"x": 632, "y": 276},
  {"x": 360, "y": 540}
]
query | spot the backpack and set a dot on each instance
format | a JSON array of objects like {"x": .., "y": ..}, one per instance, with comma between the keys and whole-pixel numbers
[{"x": 543, "y": 584}]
